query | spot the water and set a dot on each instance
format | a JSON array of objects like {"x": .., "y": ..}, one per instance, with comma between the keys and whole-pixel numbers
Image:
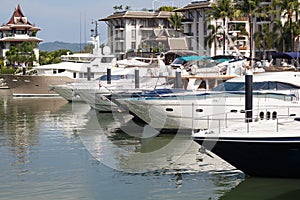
[{"x": 51, "y": 149}]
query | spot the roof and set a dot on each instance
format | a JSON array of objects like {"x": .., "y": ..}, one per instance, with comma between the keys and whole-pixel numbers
[
  {"x": 178, "y": 44},
  {"x": 18, "y": 17},
  {"x": 194, "y": 6},
  {"x": 21, "y": 39},
  {"x": 286, "y": 55},
  {"x": 18, "y": 21},
  {"x": 138, "y": 14}
]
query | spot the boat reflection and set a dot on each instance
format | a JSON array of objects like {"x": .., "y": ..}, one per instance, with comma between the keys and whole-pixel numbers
[
  {"x": 19, "y": 122},
  {"x": 119, "y": 142},
  {"x": 265, "y": 188}
]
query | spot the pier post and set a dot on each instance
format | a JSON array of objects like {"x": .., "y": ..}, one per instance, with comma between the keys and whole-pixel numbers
[
  {"x": 248, "y": 95},
  {"x": 178, "y": 81},
  {"x": 137, "y": 78},
  {"x": 108, "y": 75},
  {"x": 88, "y": 73}
]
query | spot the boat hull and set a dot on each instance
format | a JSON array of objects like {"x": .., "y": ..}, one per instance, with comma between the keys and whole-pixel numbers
[
  {"x": 259, "y": 157},
  {"x": 28, "y": 86}
]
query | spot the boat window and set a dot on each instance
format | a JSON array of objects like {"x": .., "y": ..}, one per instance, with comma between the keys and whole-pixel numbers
[
  {"x": 261, "y": 115},
  {"x": 74, "y": 75},
  {"x": 113, "y": 77},
  {"x": 54, "y": 71},
  {"x": 130, "y": 76},
  {"x": 61, "y": 70},
  {"x": 169, "y": 109},
  {"x": 240, "y": 86},
  {"x": 106, "y": 59},
  {"x": 274, "y": 115},
  {"x": 268, "y": 115},
  {"x": 199, "y": 110}
]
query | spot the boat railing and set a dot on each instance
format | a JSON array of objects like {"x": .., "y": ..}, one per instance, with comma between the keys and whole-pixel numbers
[{"x": 220, "y": 121}]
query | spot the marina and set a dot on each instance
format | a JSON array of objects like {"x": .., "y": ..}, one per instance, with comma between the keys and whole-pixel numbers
[
  {"x": 57, "y": 150},
  {"x": 188, "y": 102}
]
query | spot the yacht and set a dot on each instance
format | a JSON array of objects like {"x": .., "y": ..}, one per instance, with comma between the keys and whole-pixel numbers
[
  {"x": 125, "y": 82},
  {"x": 263, "y": 145},
  {"x": 123, "y": 70},
  {"x": 263, "y": 148},
  {"x": 189, "y": 110},
  {"x": 73, "y": 68}
]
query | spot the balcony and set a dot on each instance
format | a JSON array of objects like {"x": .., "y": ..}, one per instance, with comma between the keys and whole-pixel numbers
[
  {"x": 187, "y": 21},
  {"x": 263, "y": 19},
  {"x": 120, "y": 27},
  {"x": 119, "y": 39},
  {"x": 189, "y": 34}
]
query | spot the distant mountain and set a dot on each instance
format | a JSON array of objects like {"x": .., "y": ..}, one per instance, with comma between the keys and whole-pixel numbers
[{"x": 51, "y": 46}]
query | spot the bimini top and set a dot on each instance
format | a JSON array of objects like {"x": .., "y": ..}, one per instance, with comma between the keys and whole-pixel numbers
[{"x": 286, "y": 55}]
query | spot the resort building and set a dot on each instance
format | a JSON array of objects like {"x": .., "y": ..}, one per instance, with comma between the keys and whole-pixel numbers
[
  {"x": 143, "y": 30},
  {"x": 204, "y": 37},
  {"x": 16, "y": 31}
]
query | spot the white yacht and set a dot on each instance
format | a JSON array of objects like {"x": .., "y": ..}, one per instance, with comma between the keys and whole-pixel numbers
[
  {"x": 73, "y": 68},
  {"x": 194, "y": 109},
  {"x": 124, "y": 82}
]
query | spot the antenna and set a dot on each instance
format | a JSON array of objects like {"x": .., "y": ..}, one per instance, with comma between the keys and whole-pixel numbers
[
  {"x": 95, "y": 30},
  {"x": 80, "y": 33}
]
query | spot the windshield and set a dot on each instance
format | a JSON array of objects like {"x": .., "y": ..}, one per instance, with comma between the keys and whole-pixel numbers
[{"x": 240, "y": 86}]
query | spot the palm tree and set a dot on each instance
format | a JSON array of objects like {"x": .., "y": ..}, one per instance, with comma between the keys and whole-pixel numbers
[
  {"x": 213, "y": 36},
  {"x": 264, "y": 39},
  {"x": 288, "y": 9},
  {"x": 247, "y": 8},
  {"x": 221, "y": 9},
  {"x": 176, "y": 21}
]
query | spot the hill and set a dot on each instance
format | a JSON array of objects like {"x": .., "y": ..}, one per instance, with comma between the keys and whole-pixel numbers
[{"x": 51, "y": 46}]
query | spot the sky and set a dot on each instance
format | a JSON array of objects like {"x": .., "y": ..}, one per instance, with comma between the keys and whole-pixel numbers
[{"x": 71, "y": 20}]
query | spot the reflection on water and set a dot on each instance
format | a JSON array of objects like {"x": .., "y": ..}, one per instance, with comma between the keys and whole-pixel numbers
[
  {"x": 51, "y": 149},
  {"x": 265, "y": 188}
]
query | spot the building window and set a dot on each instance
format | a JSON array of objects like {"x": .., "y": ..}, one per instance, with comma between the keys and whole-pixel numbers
[
  {"x": 133, "y": 44},
  {"x": 133, "y": 34},
  {"x": 133, "y": 22}
]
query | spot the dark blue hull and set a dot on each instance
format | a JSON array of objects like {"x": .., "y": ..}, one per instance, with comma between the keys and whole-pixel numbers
[{"x": 269, "y": 157}]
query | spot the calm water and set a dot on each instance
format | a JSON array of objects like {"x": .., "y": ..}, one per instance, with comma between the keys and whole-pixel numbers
[{"x": 51, "y": 149}]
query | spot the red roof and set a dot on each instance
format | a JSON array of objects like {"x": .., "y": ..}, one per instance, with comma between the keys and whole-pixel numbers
[{"x": 18, "y": 17}]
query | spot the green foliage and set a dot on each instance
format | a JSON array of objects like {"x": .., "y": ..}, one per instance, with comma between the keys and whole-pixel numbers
[
  {"x": 5, "y": 70},
  {"x": 88, "y": 48},
  {"x": 176, "y": 21},
  {"x": 22, "y": 53},
  {"x": 53, "y": 56},
  {"x": 167, "y": 8},
  {"x": 120, "y": 8}
]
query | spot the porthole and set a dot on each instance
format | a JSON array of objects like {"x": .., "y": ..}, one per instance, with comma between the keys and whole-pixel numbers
[
  {"x": 268, "y": 115},
  {"x": 169, "y": 109},
  {"x": 274, "y": 115},
  {"x": 261, "y": 115}
]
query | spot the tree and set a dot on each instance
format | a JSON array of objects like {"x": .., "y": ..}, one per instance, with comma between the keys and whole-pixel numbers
[
  {"x": 247, "y": 8},
  {"x": 118, "y": 8},
  {"x": 167, "y": 8},
  {"x": 264, "y": 39},
  {"x": 175, "y": 21},
  {"x": 221, "y": 9},
  {"x": 22, "y": 53},
  {"x": 53, "y": 56},
  {"x": 213, "y": 36},
  {"x": 289, "y": 8}
]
